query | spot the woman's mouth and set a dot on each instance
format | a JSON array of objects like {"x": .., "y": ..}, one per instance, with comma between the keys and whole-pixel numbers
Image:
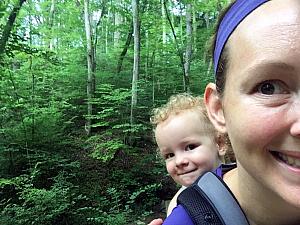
[{"x": 289, "y": 160}]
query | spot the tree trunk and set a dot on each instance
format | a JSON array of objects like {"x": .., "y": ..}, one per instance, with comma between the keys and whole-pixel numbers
[
  {"x": 206, "y": 18},
  {"x": 194, "y": 27},
  {"x": 106, "y": 37},
  {"x": 51, "y": 22},
  {"x": 181, "y": 27},
  {"x": 90, "y": 62},
  {"x": 33, "y": 86},
  {"x": 179, "y": 51},
  {"x": 124, "y": 51},
  {"x": 188, "y": 50},
  {"x": 164, "y": 29},
  {"x": 117, "y": 23},
  {"x": 9, "y": 25},
  {"x": 136, "y": 62},
  {"x": 147, "y": 54}
]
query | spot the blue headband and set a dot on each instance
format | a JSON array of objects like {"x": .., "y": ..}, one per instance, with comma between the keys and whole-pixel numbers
[{"x": 237, "y": 12}]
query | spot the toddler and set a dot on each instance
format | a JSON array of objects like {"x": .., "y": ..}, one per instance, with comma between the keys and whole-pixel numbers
[{"x": 187, "y": 140}]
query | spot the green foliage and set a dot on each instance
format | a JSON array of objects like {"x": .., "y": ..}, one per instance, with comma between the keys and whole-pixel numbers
[
  {"x": 37, "y": 206},
  {"x": 4, "y": 182},
  {"x": 51, "y": 172},
  {"x": 105, "y": 218},
  {"x": 145, "y": 192},
  {"x": 105, "y": 151},
  {"x": 99, "y": 217}
]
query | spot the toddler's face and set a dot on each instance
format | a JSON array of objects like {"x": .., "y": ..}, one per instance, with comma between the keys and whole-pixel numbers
[{"x": 188, "y": 147}]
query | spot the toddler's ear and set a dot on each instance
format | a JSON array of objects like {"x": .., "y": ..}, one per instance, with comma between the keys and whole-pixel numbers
[{"x": 214, "y": 108}]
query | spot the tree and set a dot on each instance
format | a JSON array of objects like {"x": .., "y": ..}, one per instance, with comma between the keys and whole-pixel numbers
[
  {"x": 51, "y": 22},
  {"x": 163, "y": 18},
  {"x": 9, "y": 25},
  {"x": 188, "y": 50},
  {"x": 118, "y": 19},
  {"x": 125, "y": 49},
  {"x": 136, "y": 60},
  {"x": 90, "y": 66}
]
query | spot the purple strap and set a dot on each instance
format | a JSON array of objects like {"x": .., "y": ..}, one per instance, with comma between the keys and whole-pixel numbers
[
  {"x": 219, "y": 171},
  {"x": 178, "y": 217},
  {"x": 238, "y": 11}
]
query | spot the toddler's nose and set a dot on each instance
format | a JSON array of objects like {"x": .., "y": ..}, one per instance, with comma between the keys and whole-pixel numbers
[{"x": 181, "y": 160}]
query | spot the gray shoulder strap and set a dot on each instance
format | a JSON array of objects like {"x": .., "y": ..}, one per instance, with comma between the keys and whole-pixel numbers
[{"x": 210, "y": 202}]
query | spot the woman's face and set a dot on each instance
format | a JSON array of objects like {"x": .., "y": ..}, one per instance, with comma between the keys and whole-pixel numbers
[{"x": 261, "y": 102}]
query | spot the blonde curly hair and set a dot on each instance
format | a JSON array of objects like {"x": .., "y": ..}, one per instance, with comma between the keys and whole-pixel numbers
[{"x": 177, "y": 104}]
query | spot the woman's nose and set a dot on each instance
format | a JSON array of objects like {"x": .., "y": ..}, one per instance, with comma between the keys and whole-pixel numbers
[
  {"x": 295, "y": 115},
  {"x": 295, "y": 128}
]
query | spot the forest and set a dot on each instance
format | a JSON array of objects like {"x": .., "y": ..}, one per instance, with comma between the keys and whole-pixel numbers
[{"x": 78, "y": 82}]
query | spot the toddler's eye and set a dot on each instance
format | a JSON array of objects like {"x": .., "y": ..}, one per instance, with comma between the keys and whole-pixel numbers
[
  {"x": 271, "y": 87},
  {"x": 191, "y": 147},
  {"x": 169, "y": 155}
]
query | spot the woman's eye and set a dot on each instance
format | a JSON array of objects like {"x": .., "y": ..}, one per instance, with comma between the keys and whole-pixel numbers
[
  {"x": 169, "y": 155},
  {"x": 272, "y": 87},
  {"x": 191, "y": 147}
]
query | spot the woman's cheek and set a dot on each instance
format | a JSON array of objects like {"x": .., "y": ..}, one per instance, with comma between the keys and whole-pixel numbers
[{"x": 257, "y": 127}]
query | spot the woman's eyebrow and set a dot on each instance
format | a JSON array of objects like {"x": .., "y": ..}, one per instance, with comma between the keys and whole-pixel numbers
[
  {"x": 266, "y": 70},
  {"x": 271, "y": 65}
]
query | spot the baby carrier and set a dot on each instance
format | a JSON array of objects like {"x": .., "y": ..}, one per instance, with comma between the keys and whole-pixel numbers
[{"x": 210, "y": 202}]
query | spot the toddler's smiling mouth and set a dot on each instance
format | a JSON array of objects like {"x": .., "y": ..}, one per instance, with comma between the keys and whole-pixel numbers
[
  {"x": 187, "y": 172},
  {"x": 287, "y": 159}
]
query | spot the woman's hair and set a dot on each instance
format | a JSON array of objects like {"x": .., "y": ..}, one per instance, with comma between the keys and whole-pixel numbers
[{"x": 222, "y": 66}]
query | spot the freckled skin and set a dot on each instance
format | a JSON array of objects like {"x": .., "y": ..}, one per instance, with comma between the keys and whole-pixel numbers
[{"x": 257, "y": 123}]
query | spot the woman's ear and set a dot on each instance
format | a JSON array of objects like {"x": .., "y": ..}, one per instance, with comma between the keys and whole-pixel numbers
[{"x": 214, "y": 108}]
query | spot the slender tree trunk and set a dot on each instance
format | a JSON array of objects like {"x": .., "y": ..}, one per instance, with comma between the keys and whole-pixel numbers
[
  {"x": 181, "y": 26},
  {"x": 94, "y": 47},
  {"x": 164, "y": 27},
  {"x": 51, "y": 23},
  {"x": 188, "y": 51},
  {"x": 90, "y": 62},
  {"x": 33, "y": 105},
  {"x": 9, "y": 25},
  {"x": 179, "y": 51},
  {"x": 206, "y": 18},
  {"x": 147, "y": 47},
  {"x": 125, "y": 48},
  {"x": 151, "y": 63},
  {"x": 147, "y": 54},
  {"x": 117, "y": 22},
  {"x": 136, "y": 62},
  {"x": 194, "y": 27},
  {"x": 33, "y": 97},
  {"x": 106, "y": 37}
]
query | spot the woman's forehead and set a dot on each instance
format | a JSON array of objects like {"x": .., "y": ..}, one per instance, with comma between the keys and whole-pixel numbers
[
  {"x": 271, "y": 32},
  {"x": 272, "y": 13}
]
